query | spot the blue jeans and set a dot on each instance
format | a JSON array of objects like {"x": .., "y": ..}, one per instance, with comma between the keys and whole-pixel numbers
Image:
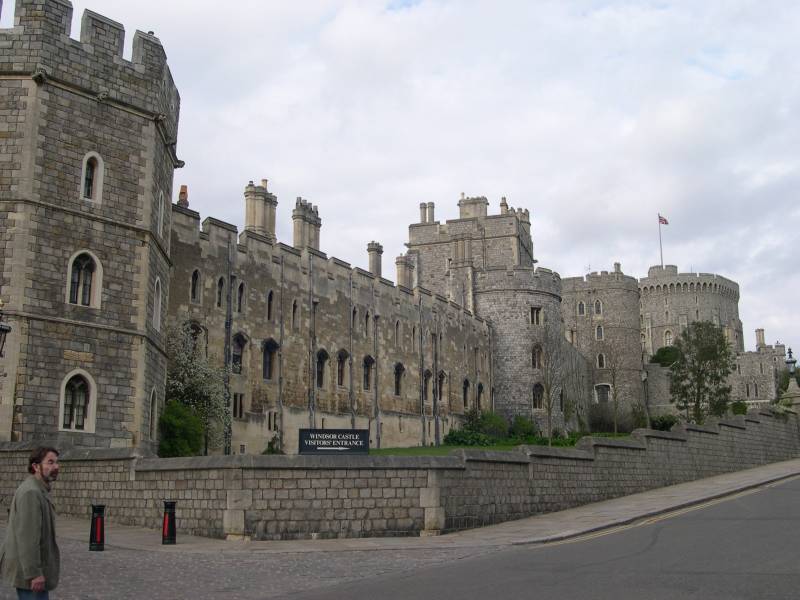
[{"x": 29, "y": 595}]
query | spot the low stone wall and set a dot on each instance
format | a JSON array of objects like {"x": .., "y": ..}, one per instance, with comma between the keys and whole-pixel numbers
[{"x": 290, "y": 497}]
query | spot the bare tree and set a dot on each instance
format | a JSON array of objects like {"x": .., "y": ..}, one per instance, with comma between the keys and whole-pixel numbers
[
  {"x": 552, "y": 368},
  {"x": 576, "y": 388}
]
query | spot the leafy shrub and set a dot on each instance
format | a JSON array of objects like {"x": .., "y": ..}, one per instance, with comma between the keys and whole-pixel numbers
[
  {"x": 739, "y": 407},
  {"x": 272, "y": 447},
  {"x": 522, "y": 428},
  {"x": 463, "y": 437},
  {"x": 493, "y": 425},
  {"x": 666, "y": 356},
  {"x": 181, "y": 431},
  {"x": 663, "y": 422}
]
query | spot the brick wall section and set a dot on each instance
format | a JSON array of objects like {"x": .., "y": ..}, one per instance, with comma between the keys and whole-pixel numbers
[{"x": 296, "y": 497}]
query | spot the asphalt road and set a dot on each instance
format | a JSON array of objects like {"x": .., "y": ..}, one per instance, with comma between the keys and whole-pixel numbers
[{"x": 744, "y": 547}]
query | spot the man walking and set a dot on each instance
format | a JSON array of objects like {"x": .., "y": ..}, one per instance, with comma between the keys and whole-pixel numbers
[{"x": 29, "y": 558}]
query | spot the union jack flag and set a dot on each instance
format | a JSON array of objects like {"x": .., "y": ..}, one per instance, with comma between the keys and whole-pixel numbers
[{"x": 662, "y": 220}]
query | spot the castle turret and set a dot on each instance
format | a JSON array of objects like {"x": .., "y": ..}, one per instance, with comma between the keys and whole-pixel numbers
[
  {"x": 375, "y": 250},
  {"x": 760, "y": 341}
]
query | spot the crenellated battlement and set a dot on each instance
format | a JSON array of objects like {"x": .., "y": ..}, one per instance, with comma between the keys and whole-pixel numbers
[
  {"x": 598, "y": 280},
  {"x": 537, "y": 280},
  {"x": 92, "y": 65},
  {"x": 667, "y": 279},
  {"x": 215, "y": 237}
]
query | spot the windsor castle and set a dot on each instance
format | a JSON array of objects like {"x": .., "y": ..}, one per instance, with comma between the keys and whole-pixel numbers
[{"x": 97, "y": 262}]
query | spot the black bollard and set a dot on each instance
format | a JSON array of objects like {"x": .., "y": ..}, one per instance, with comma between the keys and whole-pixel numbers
[
  {"x": 168, "y": 528},
  {"x": 97, "y": 535}
]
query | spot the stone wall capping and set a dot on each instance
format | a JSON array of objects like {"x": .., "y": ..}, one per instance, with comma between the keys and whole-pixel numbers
[
  {"x": 193, "y": 214},
  {"x": 517, "y": 456},
  {"x": 708, "y": 428},
  {"x": 588, "y": 442},
  {"x": 643, "y": 434},
  {"x": 558, "y": 452},
  {"x": 736, "y": 422},
  {"x": 81, "y": 454}
]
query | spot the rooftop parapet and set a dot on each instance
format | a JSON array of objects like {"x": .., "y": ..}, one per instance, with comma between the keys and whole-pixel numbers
[
  {"x": 94, "y": 65},
  {"x": 521, "y": 279}
]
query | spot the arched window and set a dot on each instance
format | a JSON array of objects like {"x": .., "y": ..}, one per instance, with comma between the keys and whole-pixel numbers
[
  {"x": 601, "y": 361},
  {"x": 426, "y": 386},
  {"x": 414, "y": 338},
  {"x": 240, "y": 298},
  {"x": 442, "y": 394},
  {"x": 747, "y": 388},
  {"x": 153, "y": 414},
  {"x": 399, "y": 369},
  {"x": 194, "y": 289},
  {"x": 369, "y": 365},
  {"x": 602, "y": 393},
  {"x": 341, "y": 367},
  {"x": 668, "y": 338},
  {"x": 480, "y": 395},
  {"x": 536, "y": 357},
  {"x": 598, "y": 307},
  {"x": 598, "y": 332},
  {"x": 270, "y": 297},
  {"x": 157, "y": 305},
  {"x": 755, "y": 390},
  {"x": 92, "y": 177},
  {"x": 85, "y": 280},
  {"x": 239, "y": 343},
  {"x": 295, "y": 322},
  {"x": 536, "y": 315},
  {"x": 581, "y": 309},
  {"x": 220, "y": 291},
  {"x": 322, "y": 359},
  {"x": 396, "y": 334},
  {"x": 78, "y": 402},
  {"x": 538, "y": 396},
  {"x": 268, "y": 362},
  {"x": 465, "y": 394},
  {"x": 366, "y": 325}
]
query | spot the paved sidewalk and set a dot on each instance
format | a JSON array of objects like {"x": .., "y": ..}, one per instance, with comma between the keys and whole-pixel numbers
[{"x": 539, "y": 529}]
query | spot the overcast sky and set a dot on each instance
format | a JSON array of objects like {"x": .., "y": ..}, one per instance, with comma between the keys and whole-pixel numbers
[{"x": 594, "y": 115}]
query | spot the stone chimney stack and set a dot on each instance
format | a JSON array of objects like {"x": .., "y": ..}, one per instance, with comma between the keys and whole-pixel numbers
[
  {"x": 375, "y": 250},
  {"x": 254, "y": 208},
  {"x": 423, "y": 212},
  {"x": 306, "y": 225},
  {"x": 760, "y": 343},
  {"x": 617, "y": 267},
  {"x": 405, "y": 271},
  {"x": 183, "y": 197},
  {"x": 503, "y": 206},
  {"x": 270, "y": 206},
  {"x": 431, "y": 218}
]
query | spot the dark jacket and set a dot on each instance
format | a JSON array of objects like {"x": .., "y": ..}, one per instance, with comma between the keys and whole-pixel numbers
[{"x": 30, "y": 548}]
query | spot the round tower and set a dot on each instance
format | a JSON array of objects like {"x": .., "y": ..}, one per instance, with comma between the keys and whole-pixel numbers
[
  {"x": 522, "y": 304},
  {"x": 671, "y": 300}
]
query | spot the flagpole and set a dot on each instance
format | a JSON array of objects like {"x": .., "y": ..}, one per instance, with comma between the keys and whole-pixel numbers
[{"x": 660, "y": 246}]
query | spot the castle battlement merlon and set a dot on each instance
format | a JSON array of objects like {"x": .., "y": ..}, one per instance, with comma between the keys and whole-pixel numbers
[{"x": 92, "y": 66}]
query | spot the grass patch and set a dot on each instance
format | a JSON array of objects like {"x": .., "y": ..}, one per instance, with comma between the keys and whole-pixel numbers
[{"x": 509, "y": 446}]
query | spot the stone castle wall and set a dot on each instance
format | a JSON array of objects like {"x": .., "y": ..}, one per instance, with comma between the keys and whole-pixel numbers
[
  {"x": 290, "y": 497},
  {"x": 302, "y": 303},
  {"x": 65, "y": 99},
  {"x": 606, "y": 334}
]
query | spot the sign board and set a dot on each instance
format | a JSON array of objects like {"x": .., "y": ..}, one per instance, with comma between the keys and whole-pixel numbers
[{"x": 334, "y": 441}]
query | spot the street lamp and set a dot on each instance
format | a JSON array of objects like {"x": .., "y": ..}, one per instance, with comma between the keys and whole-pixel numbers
[{"x": 4, "y": 329}]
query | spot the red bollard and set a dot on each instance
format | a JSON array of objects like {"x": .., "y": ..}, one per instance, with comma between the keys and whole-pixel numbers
[
  {"x": 97, "y": 534},
  {"x": 168, "y": 525}
]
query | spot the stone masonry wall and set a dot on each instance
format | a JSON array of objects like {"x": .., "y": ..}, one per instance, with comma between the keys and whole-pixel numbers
[{"x": 295, "y": 497}]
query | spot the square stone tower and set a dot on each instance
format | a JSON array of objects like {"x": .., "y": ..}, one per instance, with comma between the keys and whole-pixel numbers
[{"x": 89, "y": 154}]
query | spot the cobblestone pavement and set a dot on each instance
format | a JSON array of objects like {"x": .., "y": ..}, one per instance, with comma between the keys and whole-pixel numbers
[{"x": 127, "y": 574}]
